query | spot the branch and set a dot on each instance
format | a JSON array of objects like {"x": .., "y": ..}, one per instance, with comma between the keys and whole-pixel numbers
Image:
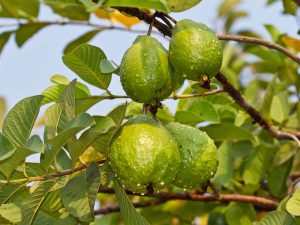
[
  {"x": 238, "y": 98},
  {"x": 297, "y": 2},
  {"x": 110, "y": 209},
  {"x": 262, "y": 202},
  {"x": 259, "y": 41},
  {"x": 50, "y": 176},
  {"x": 165, "y": 30}
]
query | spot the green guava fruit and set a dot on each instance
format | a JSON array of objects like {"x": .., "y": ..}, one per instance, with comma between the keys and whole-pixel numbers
[
  {"x": 195, "y": 50},
  {"x": 144, "y": 154},
  {"x": 145, "y": 71},
  {"x": 182, "y": 5},
  {"x": 198, "y": 152}
]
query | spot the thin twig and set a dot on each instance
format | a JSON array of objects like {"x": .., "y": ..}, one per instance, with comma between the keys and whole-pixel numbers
[
  {"x": 50, "y": 176},
  {"x": 259, "y": 41},
  {"x": 262, "y": 202},
  {"x": 256, "y": 116},
  {"x": 111, "y": 209}
]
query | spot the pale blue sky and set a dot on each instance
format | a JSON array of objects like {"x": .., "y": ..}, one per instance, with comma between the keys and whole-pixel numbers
[{"x": 26, "y": 71}]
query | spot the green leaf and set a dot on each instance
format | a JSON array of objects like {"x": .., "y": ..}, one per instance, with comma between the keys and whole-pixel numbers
[
  {"x": 290, "y": 7},
  {"x": 206, "y": 111},
  {"x": 233, "y": 17},
  {"x": 52, "y": 116},
  {"x": 270, "y": 91},
  {"x": 227, "y": 131},
  {"x": 28, "y": 9},
  {"x": 83, "y": 104},
  {"x": 80, "y": 193},
  {"x": 70, "y": 11},
  {"x": 255, "y": 166},
  {"x": 85, "y": 62},
  {"x": 293, "y": 204},
  {"x": 7, "y": 166},
  {"x": 62, "y": 161},
  {"x": 273, "y": 31},
  {"x": 187, "y": 117},
  {"x": 27, "y": 31},
  {"x": 59, "y": 79},
  {"x": 77, "y": 147},
  {"x": 31, "y": 206},
  {"x": 225, "y": 171},
  {"x": 53, "y": 93},
  {"x": 227, "y": 7},
  {"x": 35, "y": 144},
  {"x": 106, "y": 66},
  {"x": 81, "y": 40},
  {"x": 11, "y": 212},
  {"x": 63, "y": 2},
  {"x": 67, "y": 98},
  {"x": 276, "y": 218},
  {"x": 6, "y": 148},
  {"x": 277, "y": 180},
  {"x": 54, "y": 145},
  {"x": 150, "y": 4},
  {"x": 20, "y": 120},
  {"x": 238, "y": 213},
  {"x": 118, "y": 114},
  {"x": 129, "y": 213},
  {"x": 4, "y": 37},
  {"x": 7, "y": 191},
  {"x": 279, "y": 108}
]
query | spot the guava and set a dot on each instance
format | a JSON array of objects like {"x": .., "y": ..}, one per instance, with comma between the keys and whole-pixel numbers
[
  {"x": 144, "y": 155},
  {"x": 145, "y": 71},
  {"x": 195, "y": 50},
  {"x": 198, "y": 153},
  {"x": 182, "y": 5}
]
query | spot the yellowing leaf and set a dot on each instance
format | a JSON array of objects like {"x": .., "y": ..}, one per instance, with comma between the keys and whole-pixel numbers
[
  {"x": 91, "y": 155},
  {"x": 291, "y": 42},
  {"x": 116, "y": 17}
]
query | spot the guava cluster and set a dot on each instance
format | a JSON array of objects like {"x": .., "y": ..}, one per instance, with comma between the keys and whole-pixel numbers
[
  {"x": 149, "y": 72},
  {"x": 147, "y": 155}
]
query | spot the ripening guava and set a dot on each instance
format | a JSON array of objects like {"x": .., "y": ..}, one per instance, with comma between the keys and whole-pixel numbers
[
  {"x": 145, "y": 71},
  {"x": 182, "y": 5},
  {"x": 144, "y": 154},
  {"x": 198, "y": 152},
  {"x": 195, "y": 50}
]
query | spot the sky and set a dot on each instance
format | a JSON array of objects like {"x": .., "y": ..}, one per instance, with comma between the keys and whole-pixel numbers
[{"x": 26, "y": 71}]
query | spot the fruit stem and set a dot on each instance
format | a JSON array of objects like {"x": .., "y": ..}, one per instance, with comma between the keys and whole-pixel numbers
[
  {"x": 165, "y": 15},
  {"x": 152, "y": 23}
]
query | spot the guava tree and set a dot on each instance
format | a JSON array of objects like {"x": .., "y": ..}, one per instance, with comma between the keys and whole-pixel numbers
[{"x": 228, "y": 155}]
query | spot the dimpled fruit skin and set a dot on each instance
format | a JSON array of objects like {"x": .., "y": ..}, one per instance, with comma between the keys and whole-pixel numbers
[
  {"x": 145, "y": 71},
  {"x": 195, "y": 50},
  {"x": 198, "y": 152},
  {"x": 182, "y": 5},
  {"x": 144, "y": 153}
]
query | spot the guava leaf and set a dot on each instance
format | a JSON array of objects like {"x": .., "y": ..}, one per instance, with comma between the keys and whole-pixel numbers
[
  {"x": 85, "y": 62},
  {"x": 20, "y": 120},
  {"x": 31, "y": 206},
  {"x": 130, "y": 215},
  {"x": 276, "y": 218},
  {"x": 80, "y": 193},
  {"x": 293, "y": 204}
]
